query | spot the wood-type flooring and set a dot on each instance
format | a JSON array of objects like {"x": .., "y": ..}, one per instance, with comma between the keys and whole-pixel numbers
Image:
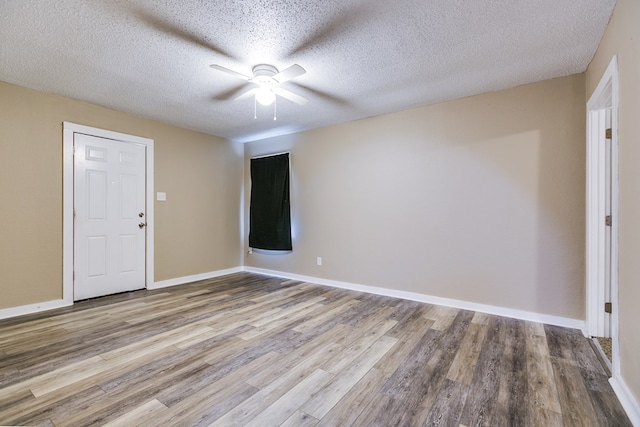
[{"x": 252, "y": 350}]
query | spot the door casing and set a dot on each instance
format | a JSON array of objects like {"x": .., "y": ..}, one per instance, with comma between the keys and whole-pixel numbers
[{"x": 69, "y": 129}]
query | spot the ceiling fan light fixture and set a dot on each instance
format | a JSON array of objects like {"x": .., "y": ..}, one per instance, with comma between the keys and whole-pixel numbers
[
  {"x": 265, "y": 95},
  {"x": 268, "y": 79}
]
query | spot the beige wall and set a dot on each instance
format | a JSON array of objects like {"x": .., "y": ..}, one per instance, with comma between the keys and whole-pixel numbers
[
  {"x": 196, "y": 231},
  {"x": 479, "y": 199},
  {"x": 622, "y": 38}
]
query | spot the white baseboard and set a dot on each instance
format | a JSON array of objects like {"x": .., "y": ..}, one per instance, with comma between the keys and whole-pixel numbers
[
  {"x": 22, "y": 310},
  {"x": 465, "y": 305},
  {"x": 194, "y": 278},
  {"x": 627, "y": 400}
]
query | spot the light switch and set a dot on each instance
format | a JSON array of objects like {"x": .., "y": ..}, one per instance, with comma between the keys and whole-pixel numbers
[{"x": 161, "y": 196}]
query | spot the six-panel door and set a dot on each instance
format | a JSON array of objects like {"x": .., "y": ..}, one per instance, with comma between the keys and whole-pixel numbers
[{"x": 109, "y": 216}]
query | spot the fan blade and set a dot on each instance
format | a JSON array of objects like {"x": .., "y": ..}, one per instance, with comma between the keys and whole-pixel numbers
[
  {"x": 228, "y": 71},
  {"x": 289, "y": 73},
  {"x": 300, "y": 100},
  {"x": 247, "y": 94}
]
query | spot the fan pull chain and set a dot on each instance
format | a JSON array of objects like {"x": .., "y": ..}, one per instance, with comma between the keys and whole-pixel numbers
[
  {"x": 255, "y": 108},
  {"x": 274, "y": 108}
]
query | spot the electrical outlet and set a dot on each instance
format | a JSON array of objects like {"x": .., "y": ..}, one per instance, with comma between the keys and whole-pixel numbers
[{"x": 319, "y": 260}]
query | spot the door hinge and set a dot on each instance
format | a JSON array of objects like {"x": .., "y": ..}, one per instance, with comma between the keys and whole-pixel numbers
[
  {"x": 607, "y": 307},
  {"x": 607, "y": 133},
  {"x": 607, "y": 220}
]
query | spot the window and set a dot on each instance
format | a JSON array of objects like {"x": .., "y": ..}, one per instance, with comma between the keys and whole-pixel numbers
[{"x": 269, "y": 210}]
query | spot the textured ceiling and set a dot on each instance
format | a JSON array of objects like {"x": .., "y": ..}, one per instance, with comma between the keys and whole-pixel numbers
[{"x": 363, "y": 57}]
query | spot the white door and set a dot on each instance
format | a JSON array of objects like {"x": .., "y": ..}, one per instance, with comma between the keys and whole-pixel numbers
[
  {"x": 602, "y": 211},
  {"x": 109, "y": 252},
  {"x": 607, "y": 229},
  {"x": 599, "y": 220}
]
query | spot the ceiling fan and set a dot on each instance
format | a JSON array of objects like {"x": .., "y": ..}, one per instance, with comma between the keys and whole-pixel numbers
[{"x": 268, "y": 79}]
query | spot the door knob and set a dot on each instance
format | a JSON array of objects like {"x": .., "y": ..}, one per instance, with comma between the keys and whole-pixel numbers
[{"x": 142, "y": 224}]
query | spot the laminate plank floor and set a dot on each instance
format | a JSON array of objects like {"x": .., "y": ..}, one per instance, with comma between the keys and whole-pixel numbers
[{"x": 246, "y": 349}]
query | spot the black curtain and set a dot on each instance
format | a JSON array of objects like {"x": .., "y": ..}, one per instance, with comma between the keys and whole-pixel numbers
[{"x": 269, "y": 210}]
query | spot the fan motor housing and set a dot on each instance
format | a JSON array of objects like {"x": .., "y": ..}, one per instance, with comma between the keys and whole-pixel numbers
[{"x": 263, "y": 73}]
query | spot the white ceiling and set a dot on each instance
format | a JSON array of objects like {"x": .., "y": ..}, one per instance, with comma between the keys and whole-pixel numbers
[{"x": 363, "y": 57}]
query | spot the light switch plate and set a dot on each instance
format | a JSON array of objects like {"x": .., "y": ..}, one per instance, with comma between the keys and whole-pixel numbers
[{"x": 161, "y": 196}]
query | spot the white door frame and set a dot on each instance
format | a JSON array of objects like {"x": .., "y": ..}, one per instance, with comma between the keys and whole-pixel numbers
[
  {"x": 69, "y": 129},
  {"x": 605, "y": 96}
]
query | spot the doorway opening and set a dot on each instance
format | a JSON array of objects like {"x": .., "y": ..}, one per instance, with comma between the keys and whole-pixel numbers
[
  {"x": 73, "y": 137},
  {"x": 602, "y": 217}
]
